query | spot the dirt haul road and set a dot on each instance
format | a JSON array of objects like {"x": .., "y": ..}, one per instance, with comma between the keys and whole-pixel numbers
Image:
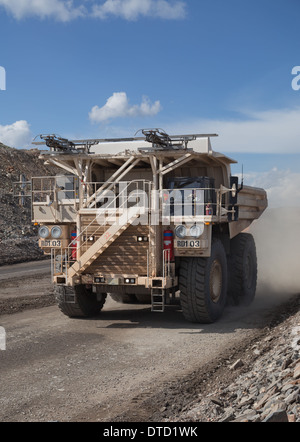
[{"x": 121, "y": 365}]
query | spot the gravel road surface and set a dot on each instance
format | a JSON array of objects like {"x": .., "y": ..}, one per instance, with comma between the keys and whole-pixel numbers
[
  {"x": 116, "y": 366},
  {"x": 25, "y": 269}
]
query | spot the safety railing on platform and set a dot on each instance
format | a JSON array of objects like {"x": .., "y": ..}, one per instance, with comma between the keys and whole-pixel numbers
[
  {"x": 132, "y": 200},
  {"x": 193, "y": 205},
  {"x": 61, "y": 189}
]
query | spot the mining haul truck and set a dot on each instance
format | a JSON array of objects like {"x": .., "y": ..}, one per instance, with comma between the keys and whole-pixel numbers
[{"x": 156, "y": 219}]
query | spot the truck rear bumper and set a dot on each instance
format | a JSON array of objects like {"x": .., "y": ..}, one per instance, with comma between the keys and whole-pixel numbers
[{"x": 125, "y": 283}]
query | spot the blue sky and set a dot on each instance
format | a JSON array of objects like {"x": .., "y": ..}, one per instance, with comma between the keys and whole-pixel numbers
[{"x": 102, "y": 68}]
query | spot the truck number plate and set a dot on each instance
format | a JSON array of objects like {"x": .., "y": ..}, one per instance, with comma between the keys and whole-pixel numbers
[
  {"x": 50, "y": 243},
  {"x": 189, "y": 243}
]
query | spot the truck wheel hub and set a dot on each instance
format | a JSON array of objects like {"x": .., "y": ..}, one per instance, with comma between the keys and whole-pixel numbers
[{"x": 215, "y": 282}]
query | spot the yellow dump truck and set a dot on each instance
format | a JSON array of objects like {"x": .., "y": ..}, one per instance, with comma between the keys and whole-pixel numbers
[{"x": 157, "y": 218}]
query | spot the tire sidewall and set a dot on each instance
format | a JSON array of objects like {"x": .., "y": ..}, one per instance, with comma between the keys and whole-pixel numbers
[
  {"x": 88, "y": 301},
  {"x": 249, "y": 281},
  {"x": 215, "y": 309}
]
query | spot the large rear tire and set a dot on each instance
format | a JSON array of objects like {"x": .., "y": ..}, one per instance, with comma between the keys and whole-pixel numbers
[
  {"x": 203, "y": 286},
  {"x": 242, "y": 269},
  {"x": 78, "y": 301}
]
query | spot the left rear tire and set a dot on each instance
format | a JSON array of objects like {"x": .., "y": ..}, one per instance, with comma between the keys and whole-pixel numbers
[{"x": 79, "y": 301}]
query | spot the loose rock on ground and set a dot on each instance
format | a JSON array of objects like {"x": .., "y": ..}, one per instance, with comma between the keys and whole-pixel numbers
[{"x": 265, "y": 381}]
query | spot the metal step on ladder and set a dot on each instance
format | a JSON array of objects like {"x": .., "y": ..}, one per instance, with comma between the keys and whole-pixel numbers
[
  {"x": 65, "y": 294},
  {"x": 158, "y": 296}
]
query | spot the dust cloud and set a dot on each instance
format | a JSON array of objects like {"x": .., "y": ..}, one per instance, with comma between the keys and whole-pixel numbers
[{"x": 277, "y": 237}]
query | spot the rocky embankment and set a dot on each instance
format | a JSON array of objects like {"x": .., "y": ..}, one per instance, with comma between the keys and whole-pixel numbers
[
  {"x": 18, "y": 237},
  {"x": 261, "y": 385}
]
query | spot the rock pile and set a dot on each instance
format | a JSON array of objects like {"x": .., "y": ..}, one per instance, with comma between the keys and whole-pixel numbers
[
  {"x": 18, "y": 237},
  {"x": 267, "y": 383}
]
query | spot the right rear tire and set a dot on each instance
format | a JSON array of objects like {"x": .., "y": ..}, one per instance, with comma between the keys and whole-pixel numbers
[
  {"x": 242, "y": 268},
  {"x": 203, "y": 285}
]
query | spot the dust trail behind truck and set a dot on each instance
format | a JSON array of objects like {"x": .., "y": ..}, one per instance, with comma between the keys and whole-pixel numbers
[{"x": 155, "y": 218}]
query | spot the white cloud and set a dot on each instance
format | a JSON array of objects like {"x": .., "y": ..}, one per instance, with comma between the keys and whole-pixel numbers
[
  {"x": 65, "y": 10},
  {"x": 133, "y": 9},
  {"x": 118, "y": 106},
  {"x": 17, "y": 134},
  {"x": 274, "y": 131},
  {"x": 62, "y": 10}
]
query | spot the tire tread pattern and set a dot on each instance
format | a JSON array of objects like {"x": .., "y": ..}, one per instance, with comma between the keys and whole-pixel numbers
[
  {"x": 237, "y": 289},
  {"x": 85, "y": 305},
  {"x": 193, "y": 287}
]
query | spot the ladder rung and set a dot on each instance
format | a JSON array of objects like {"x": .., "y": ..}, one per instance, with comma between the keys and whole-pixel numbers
[{"x": 158, "y": 299}]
